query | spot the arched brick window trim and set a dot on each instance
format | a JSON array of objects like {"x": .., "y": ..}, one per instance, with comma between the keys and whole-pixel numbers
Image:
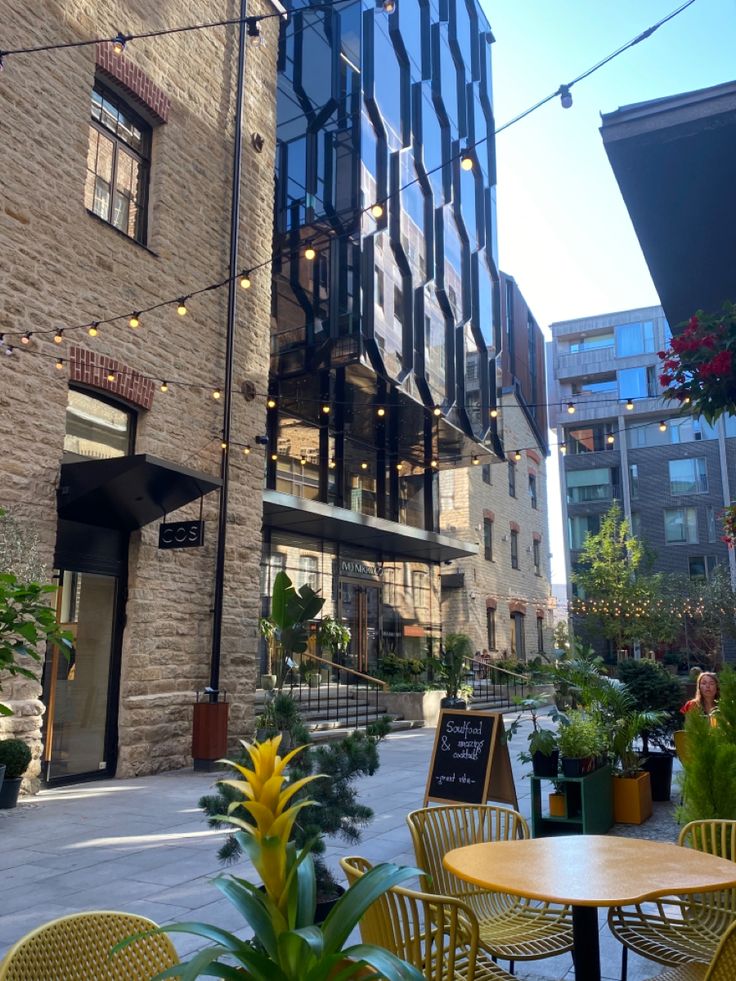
[
  {"x": 134, "y": 82},
  {"x": 514, "y": 526},
  {"x": 91, "y": 370},
  {"x": 517, "y": 606},
  {"x": 489, "y": 514},
  {"x": 532, "y": 471},
  {"x": 533, "y": 455},
  {"x": 491, "y": 604},
  {"x": 540, "y": 614},
  {"x": 536, "y": 536}
]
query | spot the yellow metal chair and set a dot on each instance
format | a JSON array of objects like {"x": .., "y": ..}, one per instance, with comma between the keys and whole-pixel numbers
[
  {"x": 682, "y": 930},
  {"x": 721, "y": 968},
  {"x": 77, "y": 948},
  {"x": 437, "y": 934},
  {"x": 510, "y": 927}
]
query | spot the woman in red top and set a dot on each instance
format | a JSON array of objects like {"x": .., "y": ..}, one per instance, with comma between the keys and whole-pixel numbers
[{"x": 706, "y": 696}]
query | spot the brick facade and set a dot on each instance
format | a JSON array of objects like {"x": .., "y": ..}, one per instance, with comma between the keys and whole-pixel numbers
[{"x": 63, "y": 266}]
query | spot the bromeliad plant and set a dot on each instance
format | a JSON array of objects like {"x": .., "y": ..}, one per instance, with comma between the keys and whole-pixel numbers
[{"x": 287, "y": 945}]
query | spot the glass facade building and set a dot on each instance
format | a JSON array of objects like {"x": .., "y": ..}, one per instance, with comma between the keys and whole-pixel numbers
[{"x": 384, "y": 340}]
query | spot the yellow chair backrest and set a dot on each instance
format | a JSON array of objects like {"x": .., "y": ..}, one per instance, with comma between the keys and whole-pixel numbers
[
  {"x": 437, "y": 934},
  {"x": 681, "y": 740},
  {"x": 723, "y": 965},
  {"x": 77, "y": 948},
  {"x": 437, "y": 830}
]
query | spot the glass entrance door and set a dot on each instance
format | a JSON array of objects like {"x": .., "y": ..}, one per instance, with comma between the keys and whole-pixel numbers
[
  {"x": 360, "y": 606},
  {"x": 77, "y": 688}
]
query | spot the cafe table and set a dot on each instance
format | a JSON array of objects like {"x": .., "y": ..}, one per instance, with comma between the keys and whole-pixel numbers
[{"x": 588, "y": 872}]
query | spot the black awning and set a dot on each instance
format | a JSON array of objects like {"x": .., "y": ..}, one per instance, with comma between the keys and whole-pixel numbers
[{"x": 129, "y": 491}]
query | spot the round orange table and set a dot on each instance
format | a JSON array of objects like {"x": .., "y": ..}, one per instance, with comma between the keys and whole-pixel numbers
[{"x": 588, "y": 871}]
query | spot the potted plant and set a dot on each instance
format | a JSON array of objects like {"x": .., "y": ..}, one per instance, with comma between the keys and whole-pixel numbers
[
  {"x": 267, "y": 630},
  {"x": 285, "y": 630},
  {"x": 581, "y": 743},
  {"x": 335, "y": 636},
  {"x": 456, "y": 655},
  {"x": 15, "y": 756},
  {"x": 655, "y": 690},
  {"x": 557, "y": 800},
  {"x": 281, "y": 716},
  {"x": 287, "y": 944},
  {"x": 543, "y": 751},
  {"x": 338, "y": 810}
]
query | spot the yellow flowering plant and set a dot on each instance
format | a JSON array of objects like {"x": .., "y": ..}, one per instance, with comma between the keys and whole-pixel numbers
[{"x": 287, "y": 944}]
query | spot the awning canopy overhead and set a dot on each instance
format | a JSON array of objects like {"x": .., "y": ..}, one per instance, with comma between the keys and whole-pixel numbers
[
  {"x": 304, "y": 517},
  {"x": 673, "y": 160},
  {"x": 128, "y": 492}
]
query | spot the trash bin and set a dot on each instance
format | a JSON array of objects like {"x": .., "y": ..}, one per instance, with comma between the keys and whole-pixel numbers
[{"x": 209, "y": 729}]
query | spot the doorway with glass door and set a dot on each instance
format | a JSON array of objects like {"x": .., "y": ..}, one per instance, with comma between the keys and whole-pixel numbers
[
  {"x": 360, "y": 607},
  {"x": 80, "y": 690}
]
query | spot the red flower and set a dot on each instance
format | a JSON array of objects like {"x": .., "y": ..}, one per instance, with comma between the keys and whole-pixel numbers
[
  {"x": 693, "y": 323},
  {"x": 661, "y": 355},
  {"x": 665, "y": 380}
]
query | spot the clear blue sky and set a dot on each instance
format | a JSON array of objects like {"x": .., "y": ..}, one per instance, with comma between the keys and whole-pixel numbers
[{"x": 563, "y": 230}]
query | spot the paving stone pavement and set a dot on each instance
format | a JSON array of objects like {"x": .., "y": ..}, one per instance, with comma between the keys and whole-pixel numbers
[{"x": 143, "y": 846}]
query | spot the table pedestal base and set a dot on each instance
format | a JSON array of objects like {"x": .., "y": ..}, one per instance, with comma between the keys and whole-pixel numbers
[{"x": 585, "y": 940}]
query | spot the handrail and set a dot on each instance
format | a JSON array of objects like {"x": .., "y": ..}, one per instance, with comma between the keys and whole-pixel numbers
[
  {"x": 344, "y": 667},
  {"x": 476, "y": 662}
]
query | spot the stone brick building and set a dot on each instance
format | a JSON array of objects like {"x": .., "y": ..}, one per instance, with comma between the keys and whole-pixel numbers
[
  {"x": 501, "y": 598},
  {"x": 117, "y": 196}
]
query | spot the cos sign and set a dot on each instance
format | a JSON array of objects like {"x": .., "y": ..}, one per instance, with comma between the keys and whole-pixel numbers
[{"x": 181, "y": 534}]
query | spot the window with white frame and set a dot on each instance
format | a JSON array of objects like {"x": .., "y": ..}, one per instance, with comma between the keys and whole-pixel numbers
[
  {"x": 688, "y": 476},
  {"x": 680, "y": 526},
  {"x": 634, "y": 339}
]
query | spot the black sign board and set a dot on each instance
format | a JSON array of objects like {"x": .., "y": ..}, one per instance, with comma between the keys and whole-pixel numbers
[
  {"x": 470, "y": 762},
  {"x": 181, "y": 534}
]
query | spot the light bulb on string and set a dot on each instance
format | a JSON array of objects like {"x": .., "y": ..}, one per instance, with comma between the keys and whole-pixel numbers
[
  {"x": 629, "y": 404},
  {"x": 565, "y": 96},
  {"x": 93, "y": 329},
  {"x": 223, "y": 444},
  {"x": 466, "y": 159},
  {"x": 59, "y": 336},
  {"x": 363, "y": 465},
  {"x": 135, "y": 320},
  {"x": 399, "y": 467},
  {"x": 476, "y": 461},
  {"x": 571, "y": 407},
  {"x": 563, "y": 449},
  {"x": 246, "y": 450},
  {"x": 59, "y": 364},
  {"x": 380, "y": 412},
  {"x": 517, "y": 455},
  {"x": 26, "y": 338},
  {"x": 437, "y": 411},
  {"x": 118, "y": 43},
  {"x": 662, "y": 426},
  {"x": 245, "y": 280},
  {"x": 494, "y": 413},
  {"x": 433, "y": 463},
  {"x": 254, "y": 31},
  {"x": 181, "y": 307},
  {"x": 274, "y": 457},
  {"x": 164, "y": 386},
  {"x": 610, "y": 439},
  {"x": 216, "y": 394},
  {"x": 309, "y": 253},
  {"x": 111, "y": 376},
  {"x": 271, "y": 404},
  {"x": 325, "y": 410},
  {"x": 332, "y": 463},
  {"x": 389, "y": 6}
]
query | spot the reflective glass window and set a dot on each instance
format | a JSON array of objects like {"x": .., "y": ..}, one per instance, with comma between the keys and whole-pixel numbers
[
  {"x": 388, "y": 82},
  {"x": 96, "y": 428},
  {"x": 680, "y": 526},
  {"x": 634, "y": 339},
  {"x": 688, "y": 476}
]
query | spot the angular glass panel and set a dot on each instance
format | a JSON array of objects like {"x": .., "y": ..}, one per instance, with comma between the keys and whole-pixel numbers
[
  {"x": 434, "y": 345},
  {"x": 453, "y": 265},
  {"x": 472, "y": 381},
  {"x": 448, "y": 81},
  {"x": 388, "y": 86},
  {"x": 433, "y": 143}
]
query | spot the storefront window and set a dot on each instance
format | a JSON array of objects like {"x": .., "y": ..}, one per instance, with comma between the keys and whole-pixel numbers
[{"x": 96, "y": 428}]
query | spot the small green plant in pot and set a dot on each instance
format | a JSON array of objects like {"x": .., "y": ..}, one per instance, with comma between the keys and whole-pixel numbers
[
  {"x": 581, "y": 742},
  {"x": 543, "y": 752},
  {"x": 457, "y": 654},
  {"x": 15, "y": 756}
]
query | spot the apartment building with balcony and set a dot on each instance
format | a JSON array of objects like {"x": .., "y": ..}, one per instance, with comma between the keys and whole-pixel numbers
[{"x": 671, "y": 473}]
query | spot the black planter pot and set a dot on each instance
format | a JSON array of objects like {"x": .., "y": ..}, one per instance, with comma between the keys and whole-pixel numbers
[
  {"x": 9, "y": 790},
  {"x": 324, "y": 906},
  {"x": 659, "y": 768},
  {"x": 578, "y": 766},
  {"x": 545, "y": 765},
  {"x": 453, "y": 702}
]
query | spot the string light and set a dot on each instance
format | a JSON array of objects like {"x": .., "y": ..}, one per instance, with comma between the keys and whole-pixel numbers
[
  {"x": 380, "y": 412},
  {"x": 309, "y": 253},
  {"x": 303, "y": 460},
  {"x": 111, "y": 376},
  {"x": 245, "y": 280},
  {"x": 610, "y": 439},
  {"x": 135, "y": 320},
  {"x": 246, "y": 450},
  {"x": 164, "y": 387},
  {"x": 571, "y": 407},
  {"x": 118, "y": 43},
  {"x": 476, "y": 461},
  {"x": 363, "y": 465},
  {"x": 274, "y": 457},
  {"x": 662, "y": 426},
  {"x": 377, "y": 210},
  {"x": 59, "y": 363},
  {"x": 59, "y": 336},
  {"x": 254, "y": 31},
  {"x": 332, "y": 463},
  {"x": 389, "y": 6},
  {"x": 517, "y": 455},
  {"x": 216, "y": 394},
  {"x": 93, "y": 330},
  {"x": 466, "y": 159},
  {"x": 271, "y": 403},
  {"x": 325, "y": 410},
  {"x": 181, "y": 308},
  {"x": 399, "y": 466},
  {"x": 629, "y": 404},
  {"x": 223, "y": 444},
  {"x": 494, "y": 413},
  {"x": 563, "y": 449},
  {"x": 26, "y": 338},
  {"x": 437, "y": 411},
  {"x": 565, "y": 96}
]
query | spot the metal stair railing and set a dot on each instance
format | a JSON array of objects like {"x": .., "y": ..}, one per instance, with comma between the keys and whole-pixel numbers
[
  {"x": 493, "y": 683},
  {"x": 347, "y": 696}
]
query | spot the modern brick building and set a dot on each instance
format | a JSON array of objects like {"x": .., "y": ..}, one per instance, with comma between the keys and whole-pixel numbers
[
  {"x": 672, "y": 474},
  {"x": 117, "y": 193},
  {"x": 385, "y": 298},
  {"x": 501, "y": 598}
]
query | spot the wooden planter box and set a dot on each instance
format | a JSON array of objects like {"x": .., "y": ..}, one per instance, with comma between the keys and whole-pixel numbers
[{"x": 632, "y": 799}]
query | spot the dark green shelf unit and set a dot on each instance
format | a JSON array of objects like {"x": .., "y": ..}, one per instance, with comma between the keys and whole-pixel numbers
[{"x": 588, "y": 805}]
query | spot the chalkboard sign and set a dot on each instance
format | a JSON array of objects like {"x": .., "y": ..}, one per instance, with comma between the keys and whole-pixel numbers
[{"x": 470, "y": 761}]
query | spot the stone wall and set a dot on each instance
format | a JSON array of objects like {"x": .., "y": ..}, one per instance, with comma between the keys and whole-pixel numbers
[
  {"x": 63, "y": 266},
  {"x": 465, "y": 500}
]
